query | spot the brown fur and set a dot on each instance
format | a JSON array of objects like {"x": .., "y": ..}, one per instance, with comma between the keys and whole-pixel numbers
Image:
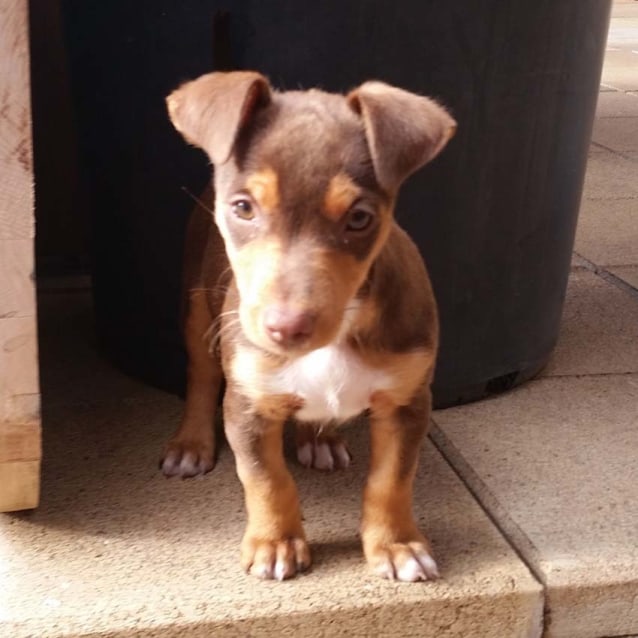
[{"x": 311, "y": 258}]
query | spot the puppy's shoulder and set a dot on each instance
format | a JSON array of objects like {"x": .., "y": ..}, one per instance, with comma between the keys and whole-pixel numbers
[{"x": 401, "y": 290}]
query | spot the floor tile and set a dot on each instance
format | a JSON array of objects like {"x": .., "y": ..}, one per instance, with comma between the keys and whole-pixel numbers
[
  {"x": 607, "y": 231},
  {"x": 610, "y": 176},
  {"x": 596, "y": 148},
  {"x": 629, "y": 274},
  {"x": 554, "y": 463},
  {"x": 578, "y": 262},
  {"x": 620, "y": 77},
  {"x": 617, "y": 134},
  {"x": 616, "y": 104},
  {"x": 624, "y": 8},
  {"x": 599, "y": 329}
]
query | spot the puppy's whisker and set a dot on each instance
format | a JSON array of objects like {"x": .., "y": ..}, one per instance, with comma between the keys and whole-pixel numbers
[
  {"x": 215, "y": 325},
  {"x": 224, "y": 273},
  {"x": 212, "y": 329},
  {"x": 198, "y": 201},
  {"x": 224, "y": 329},
  {"x": 228, "y": 313}
]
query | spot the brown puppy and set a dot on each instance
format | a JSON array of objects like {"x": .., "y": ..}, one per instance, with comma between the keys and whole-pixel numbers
[{"x": 321, "y": 303}]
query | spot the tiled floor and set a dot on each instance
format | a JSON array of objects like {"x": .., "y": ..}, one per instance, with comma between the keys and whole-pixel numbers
[{"x": 552, "y": 472}]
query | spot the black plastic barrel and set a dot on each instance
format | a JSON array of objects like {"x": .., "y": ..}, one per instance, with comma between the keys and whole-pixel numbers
[{"x": 494, "y": 215}]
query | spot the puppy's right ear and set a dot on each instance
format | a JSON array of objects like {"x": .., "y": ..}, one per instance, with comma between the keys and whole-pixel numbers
[
  {"x": 404, "y": 130},
  {"x": 211, "y": 110}
]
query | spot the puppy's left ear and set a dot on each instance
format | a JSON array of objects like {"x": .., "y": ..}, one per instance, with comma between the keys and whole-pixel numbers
[
  {"x": 211, "y": 110},
  {"x": 404, "y": 130}
]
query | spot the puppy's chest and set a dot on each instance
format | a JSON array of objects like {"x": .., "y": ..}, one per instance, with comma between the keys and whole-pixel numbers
[{"x": 333, "y": 382}]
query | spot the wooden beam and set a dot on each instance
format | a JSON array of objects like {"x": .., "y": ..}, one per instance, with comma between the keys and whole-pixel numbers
[
  {"x": 19, "y": 388},
  {"x": 20, "y": 442},
  {"x": 19, "y": 485}
]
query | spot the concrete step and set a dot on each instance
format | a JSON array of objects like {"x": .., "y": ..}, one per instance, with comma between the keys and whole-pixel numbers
[
  {"x": 115, "y": 549},
  {"x": 554, "y": 463}
]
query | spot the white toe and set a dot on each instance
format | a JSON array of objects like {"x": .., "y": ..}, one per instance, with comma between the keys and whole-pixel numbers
[
  {"x": 342, "y": 454},
  {"x": 385, "y": 570},
  {"x": 304, "y": 454},
  {"x": 263, "y": 571},
  {"x": 280, "y": 570},
  {"x": 411, "y": 571},
  {"x": 429, "y": 565},
  {"x": 323, "y": 457}
]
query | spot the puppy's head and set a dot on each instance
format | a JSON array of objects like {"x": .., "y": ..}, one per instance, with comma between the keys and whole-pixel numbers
[{"x": 305, "y": 184}]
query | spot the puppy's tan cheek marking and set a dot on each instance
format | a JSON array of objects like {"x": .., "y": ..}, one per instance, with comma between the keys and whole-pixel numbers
[
  {"x": 255, "y": 266},
  {"x": 264, "y": 187},
  {"x": 341, "y": 193}
]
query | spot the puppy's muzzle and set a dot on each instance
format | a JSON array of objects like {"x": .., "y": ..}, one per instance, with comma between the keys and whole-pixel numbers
[{"x": 288, "y": 327}]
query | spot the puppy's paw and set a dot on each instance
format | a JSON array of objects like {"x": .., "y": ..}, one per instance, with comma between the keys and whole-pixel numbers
[
  {"x": 275, "y": 560},
  {"x": 408, "y": 562},
  {"x": 326, "y": 451},
  {"x": 187, "y": 457}
]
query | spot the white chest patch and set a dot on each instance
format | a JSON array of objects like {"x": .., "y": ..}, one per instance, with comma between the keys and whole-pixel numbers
[{"x": 334, "y": 383}]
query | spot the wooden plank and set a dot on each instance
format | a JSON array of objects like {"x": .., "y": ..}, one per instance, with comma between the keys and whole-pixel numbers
[
  {"x": 20, "y": 481},
  {"x": 16, "y": 265},
  {"x": 20, "y": 442},
  {"x": 16, "y": 163},
  {"x": 19, "y": 384},
  {"x": 19, "y": 387}
]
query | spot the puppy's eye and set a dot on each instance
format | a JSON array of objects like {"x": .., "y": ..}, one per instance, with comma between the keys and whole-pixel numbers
[
  {"x": 359, "y": 219},
  {"x": 243, "y": 208}
]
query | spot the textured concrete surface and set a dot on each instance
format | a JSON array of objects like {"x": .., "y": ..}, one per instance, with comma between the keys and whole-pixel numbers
[
  {"x": 610, "y": 176},
  {"x": 628, "y": 274},
  {"x": 115, "y": 549},
  {"x": 619, "y": 71},
  {"x": 599, "y": 331},
  {"x": 607, "y": 231},
  {"x": 555, "y": 464},
  {"x": 616, "y": 104},
  {"x": 613, "y": 132}
]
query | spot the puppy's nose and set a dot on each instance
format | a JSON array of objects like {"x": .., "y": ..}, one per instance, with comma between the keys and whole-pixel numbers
[{"x": 288, "y": 327}]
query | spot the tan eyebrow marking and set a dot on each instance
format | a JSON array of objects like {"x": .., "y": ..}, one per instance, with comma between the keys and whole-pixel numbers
[
  {"x": 341, "y": 193},
  {"x": 264, "y": 187}
]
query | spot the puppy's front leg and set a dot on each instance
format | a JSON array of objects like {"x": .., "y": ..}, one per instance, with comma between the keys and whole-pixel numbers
[
  {"x": 392, "y": 543},
  {"x": 191, "y": 450},
  {"x": 274, "y": 544}
]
